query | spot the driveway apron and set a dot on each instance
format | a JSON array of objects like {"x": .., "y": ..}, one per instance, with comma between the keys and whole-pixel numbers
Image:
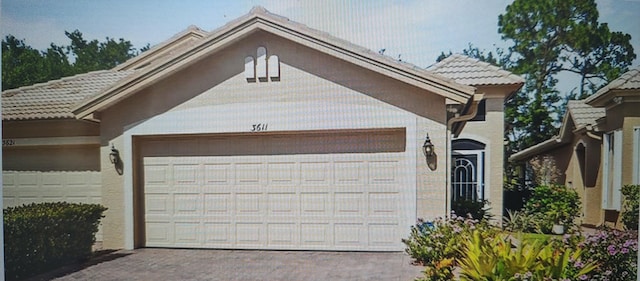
[{"x": 182, "y": 264}]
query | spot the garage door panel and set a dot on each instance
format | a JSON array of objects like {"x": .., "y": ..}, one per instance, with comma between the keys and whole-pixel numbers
[
  {"x": 187, "y": 204},
  {"x": 218, "y": 174},
  {"x": 281, "y": 234},
  {"x": 249, "y": 234},
  {"x": 383, "y": 234},
  {"x": 218, "y": 203},
  {"x": 315, "y": 204},
  {"x": 158, "y": 204},
  {"x": 248, "y": 173},
  {"x": 218, "y": 234},
  {"x": 156, "y": 175},
  {"x": 383, "y": 172},
  {"x": 186, "y": 174},
  {"x": 384, "y": 204},
  {"x": 187, "y": 233},
  {"x": 315, "y": 173},
  {"x": 349, "y": 235},
  {"x": 349, "y": 204},
  {"x": 280, "y": 174},
  {"x": 315, "y": 234},
  {"x": 282, "y": 204},
  {"x": 159, "y": 233},
  {"x": 350, "y": 172},
  {"x": 249, "y": 203}
]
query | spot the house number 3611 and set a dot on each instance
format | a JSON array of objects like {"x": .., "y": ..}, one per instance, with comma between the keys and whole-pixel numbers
[{"x": 259, "y": 127}]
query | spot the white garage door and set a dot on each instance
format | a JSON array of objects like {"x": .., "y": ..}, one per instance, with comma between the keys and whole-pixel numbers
[{"x": 305, "y": 196}]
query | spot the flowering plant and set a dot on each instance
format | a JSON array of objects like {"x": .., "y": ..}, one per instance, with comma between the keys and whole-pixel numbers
[{"x": 615, "y": 252}]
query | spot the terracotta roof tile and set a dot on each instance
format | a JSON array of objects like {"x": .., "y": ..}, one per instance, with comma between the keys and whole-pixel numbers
[
  {"x": 584, "y": 114},
  {"x": 54, "y": 99},
  {"x": 473, "y": 72}
]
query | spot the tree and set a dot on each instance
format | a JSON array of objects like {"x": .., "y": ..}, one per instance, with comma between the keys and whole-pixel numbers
[
  {"x": 550, "y": 36},
  {"x": 23, "y": 65},
  {"x": 94, "y": 55}
]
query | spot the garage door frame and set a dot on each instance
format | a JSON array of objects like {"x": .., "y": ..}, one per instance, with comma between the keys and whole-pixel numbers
[{"x": 239, "y": 118}]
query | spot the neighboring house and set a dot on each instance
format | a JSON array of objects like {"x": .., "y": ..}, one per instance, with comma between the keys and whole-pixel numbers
[
  {"x": 262, "y": 134},
  {"x": 597, "y": 150}
]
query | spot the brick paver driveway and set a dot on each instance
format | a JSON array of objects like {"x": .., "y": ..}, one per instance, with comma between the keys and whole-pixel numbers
[{"x": 179, "y": 264}]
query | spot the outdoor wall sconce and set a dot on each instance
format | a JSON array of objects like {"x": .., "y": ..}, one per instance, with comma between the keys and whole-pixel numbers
[
  {"x": 427, "y": 147},
  {"x": 114, "y": 157},
  {"x": 430, "y": 154}
]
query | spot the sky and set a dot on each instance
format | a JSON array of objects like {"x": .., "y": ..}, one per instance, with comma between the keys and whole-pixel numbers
[{"x": 416, "y": 31}]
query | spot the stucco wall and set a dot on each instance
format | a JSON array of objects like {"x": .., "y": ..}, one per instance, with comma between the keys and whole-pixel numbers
[
  {"x": 307, "y": 77},
  {"x": 585, "y": 180},
  {"x": 491, "y": 133},
  {"x": 41, "y": 165}
]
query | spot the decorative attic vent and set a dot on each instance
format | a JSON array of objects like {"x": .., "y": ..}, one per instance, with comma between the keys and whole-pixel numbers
[
  {"x": 274, "y": 68},
  {"x": 261, "y": 64},
  {"x": 262, "y": 68},
  {"x": 249, "y": 69}
]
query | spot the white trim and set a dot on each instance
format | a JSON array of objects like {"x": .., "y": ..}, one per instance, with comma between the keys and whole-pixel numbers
[
  {"x": 636, "y": 155},
  {"x": 612, "y": 172},
  {"x": 617, "y": 170},
  {"x": 606, "y": 139},
  {"x": 51, "y": 141},
  {"x": 301, "y": 117}
]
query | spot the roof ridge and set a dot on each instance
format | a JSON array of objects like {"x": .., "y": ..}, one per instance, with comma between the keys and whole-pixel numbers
[
  {"x": 259, "y": 10},
  {"x": 12, "y": 92},
  {"x": 467, "y": 70}
]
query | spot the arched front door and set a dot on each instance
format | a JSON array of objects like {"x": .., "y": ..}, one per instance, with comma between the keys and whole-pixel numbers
[{"x": 467, "y": 175}]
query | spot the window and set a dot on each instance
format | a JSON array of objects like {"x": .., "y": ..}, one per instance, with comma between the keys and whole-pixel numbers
[
  {"x": 482, "y": 111},
  {"x": 612, "y": 171}
]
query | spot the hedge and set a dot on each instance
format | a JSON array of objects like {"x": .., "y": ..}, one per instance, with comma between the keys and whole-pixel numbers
[{"x": 42, "y": 236}]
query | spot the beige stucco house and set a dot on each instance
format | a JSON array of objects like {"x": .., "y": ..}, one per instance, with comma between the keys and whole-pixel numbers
[
  {"x": 262, "y": 134},
  {"x": 597, "y": 150}
]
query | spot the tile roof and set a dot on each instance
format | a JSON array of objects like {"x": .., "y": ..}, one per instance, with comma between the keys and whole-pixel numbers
[
  {"x": 54, "y": 99},
  {"x": 630, "y": 80},
  {"x": 584, "y": 114},
  {"x": 470, "y": 71}
]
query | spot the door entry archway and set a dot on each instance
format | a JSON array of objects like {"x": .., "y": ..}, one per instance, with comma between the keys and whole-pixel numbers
[{"x": 467, "y": 174}]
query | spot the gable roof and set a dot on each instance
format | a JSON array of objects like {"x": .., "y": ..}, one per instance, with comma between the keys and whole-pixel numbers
[
  {"x": 579, "y": 116},
  {"x": 627, "y": 84},
  {"x": 54, "y": 99},
  {"x": 473, "y": 72},
  {"x": 260, "y": 19},
  {"x": 176, "y": 44},
  {"x": 584, "y": 114}
]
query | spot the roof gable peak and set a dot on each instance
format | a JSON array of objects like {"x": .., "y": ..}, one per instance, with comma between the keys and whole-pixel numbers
[{"x": 260, "y": 19}]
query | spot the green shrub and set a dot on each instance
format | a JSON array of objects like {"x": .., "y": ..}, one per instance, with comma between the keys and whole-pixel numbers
[
  {"x": 436, "y": 245},
  {"x": 476, "y": 209},
  {"x": 549, "y": 205},
  {"x": 495, "y": 258},
  {"x": 40, "y": 237},
  {"x": 518, "y": 221},
  {"x": 630, "y": 213}
]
